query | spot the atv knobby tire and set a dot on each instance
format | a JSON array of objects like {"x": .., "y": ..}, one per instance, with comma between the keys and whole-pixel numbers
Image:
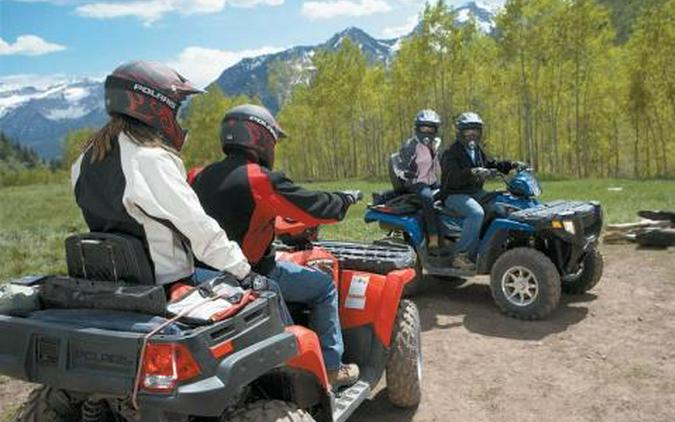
[
  {"x": 547, "y": 277},
  {"x": 269, "y": 411},
  {"x": 46, "y": 404},
  {"x": 404, "y": 366},
  {"x": 591, "y": 272}
]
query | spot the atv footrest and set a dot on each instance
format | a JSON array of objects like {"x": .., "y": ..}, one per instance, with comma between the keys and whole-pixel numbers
[
  {"x": 347, "y": 401},
  {"x": 379, "y": 259}
]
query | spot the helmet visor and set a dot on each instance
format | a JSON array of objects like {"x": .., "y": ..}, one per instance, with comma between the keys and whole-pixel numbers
[{"x": 427, "y": 129}]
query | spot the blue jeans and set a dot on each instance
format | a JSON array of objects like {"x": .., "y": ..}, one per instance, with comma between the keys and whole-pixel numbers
[
  {"x": 203, "y": 274},
  {"x": 473, "y": 215},
  {"x": 426, "y": 194},
  {"x": 317, "y": 290}
]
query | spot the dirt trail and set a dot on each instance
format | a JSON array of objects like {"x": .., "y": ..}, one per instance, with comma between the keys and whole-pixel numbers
[
  {"x": 604, "y": 356},
  {"x": 608, "y": 355}
]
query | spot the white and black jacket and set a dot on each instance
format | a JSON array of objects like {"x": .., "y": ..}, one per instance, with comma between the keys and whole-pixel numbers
[{"x": 143, "y": 192}]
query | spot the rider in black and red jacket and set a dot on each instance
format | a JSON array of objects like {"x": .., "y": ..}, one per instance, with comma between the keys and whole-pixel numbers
[{"x": 245, "y": 196}]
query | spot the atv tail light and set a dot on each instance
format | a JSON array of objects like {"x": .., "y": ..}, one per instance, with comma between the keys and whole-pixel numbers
[{"x": 165, "y": 364}]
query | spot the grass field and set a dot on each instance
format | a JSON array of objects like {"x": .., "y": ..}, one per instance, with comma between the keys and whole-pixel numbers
[{"x": 35, "y": 219}]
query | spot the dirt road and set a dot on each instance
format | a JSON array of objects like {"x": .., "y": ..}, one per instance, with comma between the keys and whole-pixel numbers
[{"x": 605, "y": 356}]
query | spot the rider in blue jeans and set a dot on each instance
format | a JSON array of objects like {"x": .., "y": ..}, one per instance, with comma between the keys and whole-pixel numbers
[
  {"x": 465, "y": 167},
  {"x": 245, "y": 196}
]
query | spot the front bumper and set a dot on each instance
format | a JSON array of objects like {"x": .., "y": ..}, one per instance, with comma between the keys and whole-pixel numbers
[{"x": 575, "y": 222}]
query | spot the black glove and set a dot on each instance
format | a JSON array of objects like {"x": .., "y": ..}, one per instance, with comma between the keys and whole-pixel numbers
[
  {"x": 519, "y": 165},
  {"x": 256, "y": 282},
  {"x": 260, "y": 283},
  {"x": 352, "y": 196},
  {"x": 481, "y": 173}
]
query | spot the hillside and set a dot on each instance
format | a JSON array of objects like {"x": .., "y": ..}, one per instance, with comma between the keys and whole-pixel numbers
[{"x": 17, "y": 157}]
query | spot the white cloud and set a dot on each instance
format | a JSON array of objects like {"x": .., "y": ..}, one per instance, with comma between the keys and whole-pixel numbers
[
  {"x": 203, "y": 65},
  {"x": 57, "y": 2},
  {"x": 150, "y": 11},
  {"x": 337, "y": 8},
  {"x": 400, "y": 30},
  {"x": 254, "y": 3},
  {"x": 200, "y": 6},
  {"x": 29, "y": 45}
]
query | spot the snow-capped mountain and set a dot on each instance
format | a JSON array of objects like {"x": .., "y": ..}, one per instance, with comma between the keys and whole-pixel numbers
[
  {"x": 39, "y": 117},
  {"x": 250, "y": 76},
  {"x": 483, "y": 14}
]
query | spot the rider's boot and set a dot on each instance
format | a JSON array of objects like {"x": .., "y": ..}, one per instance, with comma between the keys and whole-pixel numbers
[
  {"x": 433, "y": 242},
  {"x": 345, "y": 376},
  {"x": 462, "y": 262}
]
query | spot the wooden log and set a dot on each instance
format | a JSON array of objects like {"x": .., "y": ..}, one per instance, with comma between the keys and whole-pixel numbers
[
  {"x": 644, "y": 224},
  {"x": 618, "y": 238}
]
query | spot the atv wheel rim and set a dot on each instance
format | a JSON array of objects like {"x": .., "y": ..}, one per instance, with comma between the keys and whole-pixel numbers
[{"x": 520, "y": 286}]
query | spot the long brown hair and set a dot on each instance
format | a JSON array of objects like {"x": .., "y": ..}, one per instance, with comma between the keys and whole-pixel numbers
[{"x": 142, "y": 134}]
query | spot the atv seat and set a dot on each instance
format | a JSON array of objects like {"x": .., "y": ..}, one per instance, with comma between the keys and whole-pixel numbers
[{"x": 108, "y": 257}]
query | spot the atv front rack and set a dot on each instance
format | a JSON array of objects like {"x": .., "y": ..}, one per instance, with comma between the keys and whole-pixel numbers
[
  {"x": 588, "y": 215},
  {"x": 379, "y": 259}
]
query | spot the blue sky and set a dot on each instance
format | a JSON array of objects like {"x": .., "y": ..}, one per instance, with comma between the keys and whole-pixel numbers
[{"x": 47, "y": 39}]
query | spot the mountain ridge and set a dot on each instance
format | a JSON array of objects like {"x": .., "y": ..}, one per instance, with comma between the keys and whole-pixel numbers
[{"x": 40, "y": 116}]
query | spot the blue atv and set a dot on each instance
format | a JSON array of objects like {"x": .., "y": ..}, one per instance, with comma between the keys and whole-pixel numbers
[{"x": 532, "y": 251}]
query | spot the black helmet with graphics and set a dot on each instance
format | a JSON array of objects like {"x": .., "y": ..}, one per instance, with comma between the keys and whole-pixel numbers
[
  {"x": 151, "y": 93},
  {"x": 252, "y": 129}
]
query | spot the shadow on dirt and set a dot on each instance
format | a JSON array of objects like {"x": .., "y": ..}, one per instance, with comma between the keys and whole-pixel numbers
[
  {"x": 481, "y": 315},
  {"x": 379, "y": 408}
]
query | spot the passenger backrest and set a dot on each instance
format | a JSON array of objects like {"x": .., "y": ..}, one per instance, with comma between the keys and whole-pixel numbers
[
  {"x": 108, "y": 257},
  {"x": 396, "y": 182}
]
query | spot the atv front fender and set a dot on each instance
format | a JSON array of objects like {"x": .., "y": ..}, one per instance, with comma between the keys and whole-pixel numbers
[
  {"x": 494, "y": 241},
  {"x": 372, "y": 299}
]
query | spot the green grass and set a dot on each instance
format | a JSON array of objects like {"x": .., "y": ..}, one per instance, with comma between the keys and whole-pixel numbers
[
  {"x": 7, "y": 415},
  {"x": 35, "y": 219}
]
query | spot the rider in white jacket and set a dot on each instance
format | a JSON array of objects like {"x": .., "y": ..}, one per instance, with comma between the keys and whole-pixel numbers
[{"x": 130, "y": 180}]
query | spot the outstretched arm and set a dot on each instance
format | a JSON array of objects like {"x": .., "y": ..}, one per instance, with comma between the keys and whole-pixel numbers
[{"x": 281, "y": 197}]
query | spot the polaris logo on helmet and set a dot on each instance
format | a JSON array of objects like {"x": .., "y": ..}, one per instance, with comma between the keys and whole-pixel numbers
[{"x": 155, "y": 94}]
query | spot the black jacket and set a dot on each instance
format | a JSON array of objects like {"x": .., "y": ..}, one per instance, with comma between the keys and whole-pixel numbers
[
  {"x": 245, "y": 199},
  {"x": 456, "y": 168}
]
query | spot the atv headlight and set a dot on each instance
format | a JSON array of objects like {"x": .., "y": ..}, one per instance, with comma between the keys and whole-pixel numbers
[{"x": 569, "y": 226}]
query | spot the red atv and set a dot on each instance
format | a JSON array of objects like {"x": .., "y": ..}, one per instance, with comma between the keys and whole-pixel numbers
[
  {"x": 381, "y": 330},
  {"x": 101, "y": 365}
]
